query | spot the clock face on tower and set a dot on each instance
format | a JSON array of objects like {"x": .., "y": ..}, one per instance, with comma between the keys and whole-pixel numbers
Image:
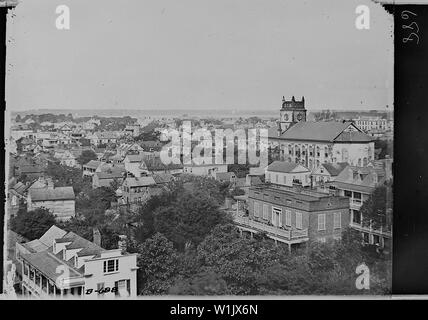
[
  {"x": 299, "y": 116},
  {"x": 285, "y": 117}
]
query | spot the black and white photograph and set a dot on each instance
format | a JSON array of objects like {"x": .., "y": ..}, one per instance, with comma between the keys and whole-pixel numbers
[{"x": 204, "y": 148}]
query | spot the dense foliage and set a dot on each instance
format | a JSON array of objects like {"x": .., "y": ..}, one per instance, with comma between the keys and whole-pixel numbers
[
  {"x": 86, "y": 156},
  {"x": 225, "y": 263},
  {"x": 32, "y": 224},
  {"x": 378, "y": 207}
]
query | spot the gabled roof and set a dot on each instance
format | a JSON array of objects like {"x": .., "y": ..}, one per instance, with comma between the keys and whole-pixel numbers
[
  {"x": 353, "y": 137},
  {"x": 20, "y": 188},
  {"x": 163, "y": 177},
  {"x": 359, "y": 178},
  {"x": 31, "y": 169},
  {"x": 134, "y": 158},
  {"x": 59, "y": 193},
  {"x": 48, "y": 263},
  {"x": 35, "y": 246},
  {"x": 116, "y": 174},
  {"x": 328, "y": 131},
  {"x": 285, "y": 167},
  {"x": 78, "y": 242},
  {"x": 139, "y": 182},
  {"x": 105, "y": 135},
  {"x": 334, "y": 168},
  {"x": 93, "y": 164},
  {"x": 156, "y": 164},
  {"x": 224, "y": 175},
  {"x": 53, "y": 233}
]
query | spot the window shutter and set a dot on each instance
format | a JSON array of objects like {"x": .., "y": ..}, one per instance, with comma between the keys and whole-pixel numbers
[
  {"x": 298, "y": 220},
  {"x": 321, "y": 222},
  {"x": 288, "y": 217}
]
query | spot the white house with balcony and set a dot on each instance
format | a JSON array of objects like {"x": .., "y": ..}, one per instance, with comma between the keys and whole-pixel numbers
[
  {"x": 63, "y": 264},
  {"x": 357, "y": 183}
]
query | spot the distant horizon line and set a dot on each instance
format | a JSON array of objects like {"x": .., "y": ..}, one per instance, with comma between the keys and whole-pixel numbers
[{"x": 198, "y": 109}]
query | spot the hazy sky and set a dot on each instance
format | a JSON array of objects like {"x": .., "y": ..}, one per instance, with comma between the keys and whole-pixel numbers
[{"x": 198, "y": 54}]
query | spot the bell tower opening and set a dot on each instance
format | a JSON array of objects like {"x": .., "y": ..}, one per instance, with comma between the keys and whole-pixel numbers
[{"x": 291, "y": 112}]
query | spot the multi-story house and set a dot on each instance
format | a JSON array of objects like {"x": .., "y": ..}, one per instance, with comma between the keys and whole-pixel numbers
[
  {"x": 17, "y": 194},
  {"x": 63, "y": 264},
  {"x": 287, "y": 173},
  {"x": 373, "y": 123},
  {"x": 77, "y": 134},
  {"x": 60, "y": 201},
  {"x": 104, "y": 179},
  {"x": 103, "y": 137},
  {"x": 314, "y": 143},
  {"x": 33, "y": 171},
  {"x": 93, "y": 166},
  {"x": 294, "y": 216},
  {"x": 65, "y": 129},
  {"x": 19, "y": 132},
  {"x": 155, "y": 165},
  {"x": 357, "y": 183},
  {"x": 132, "y": 130},
  {"x": 49, "y": 143},
  {"x": 67, "y": 158},
  {"x": 135, "y": 165},
  {"x": 138, "y": 189}
]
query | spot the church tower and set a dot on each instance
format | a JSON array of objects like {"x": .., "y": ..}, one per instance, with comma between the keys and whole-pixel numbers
[{"x": 291, "y": 112}]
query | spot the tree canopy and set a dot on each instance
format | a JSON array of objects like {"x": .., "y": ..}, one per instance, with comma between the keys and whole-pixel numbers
[
  {"x": 377, "y": 208},
  {"x": 32, "y": 224},
  {"x": 86, "y": 156}
]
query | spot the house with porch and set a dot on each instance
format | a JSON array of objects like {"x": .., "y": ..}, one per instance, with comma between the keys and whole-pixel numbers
[
  {"x": 293, "y": 216},
  {"x": 63, "y": 264},
  {"x": 357, "y": 183}
]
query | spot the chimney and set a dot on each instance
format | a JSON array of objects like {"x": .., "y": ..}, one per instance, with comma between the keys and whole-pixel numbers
[
  {"x": 49, "y": 183},
  {"x": 375, "y": 178},
  {"x": 297, "y": 187},
  {"x": 351, "y": 173},
  {"x": 96, "y": 234},
  {"x": 122, "y": 243}
]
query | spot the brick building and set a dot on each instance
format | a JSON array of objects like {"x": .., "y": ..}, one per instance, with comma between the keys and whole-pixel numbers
[{"x": 294, "y": 215}]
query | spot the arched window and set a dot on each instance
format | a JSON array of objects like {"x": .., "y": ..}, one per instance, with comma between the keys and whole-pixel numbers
[
  {"x": 318, "y": 163},
  {"x": 359, "y": 162},
  {"x": 365, "y": 162},
  {"x": 310, "y": 164}
]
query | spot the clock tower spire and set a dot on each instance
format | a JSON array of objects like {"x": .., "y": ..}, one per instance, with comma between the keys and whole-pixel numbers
[{"x": 291, "y": 112}]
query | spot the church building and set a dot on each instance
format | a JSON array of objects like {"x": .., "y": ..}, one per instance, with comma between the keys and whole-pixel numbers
[{"x": 314, "y": 143}]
